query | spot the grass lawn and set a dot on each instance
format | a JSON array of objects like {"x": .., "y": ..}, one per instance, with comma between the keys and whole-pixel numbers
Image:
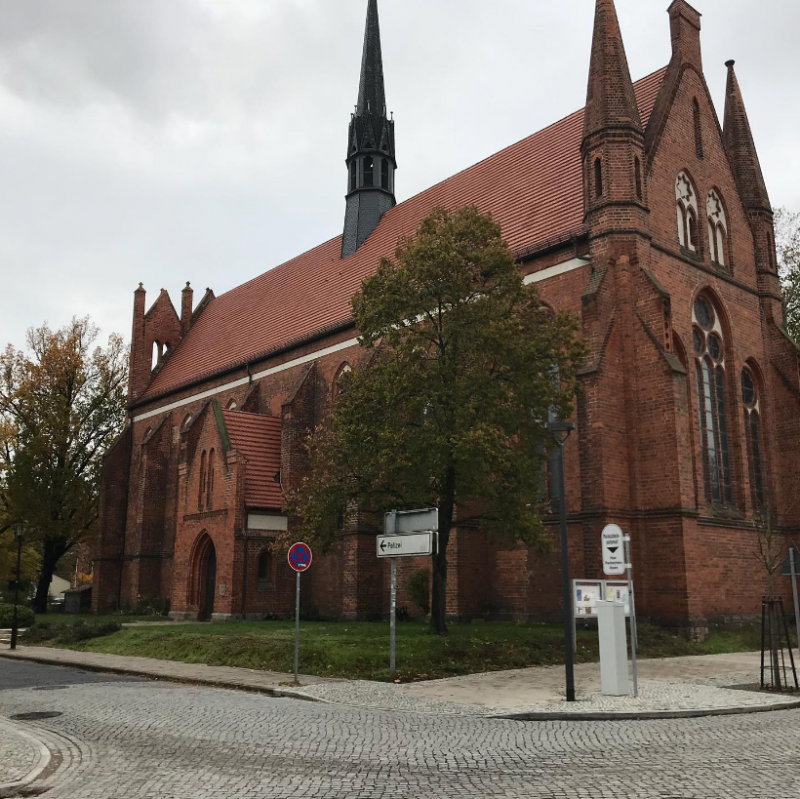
[{"x": 361, "y": 650}]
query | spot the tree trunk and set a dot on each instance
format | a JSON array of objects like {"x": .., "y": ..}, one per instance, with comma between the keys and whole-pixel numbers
[
  {"x": 53, "y": 552},
  {"x": 439, "y": 599}
]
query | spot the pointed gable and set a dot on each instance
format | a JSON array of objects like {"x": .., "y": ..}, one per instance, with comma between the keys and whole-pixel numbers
[{"x": 258, "y": 439}]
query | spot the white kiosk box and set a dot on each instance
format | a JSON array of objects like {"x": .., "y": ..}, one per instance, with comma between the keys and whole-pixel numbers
[{"x": 613, "y": 649}]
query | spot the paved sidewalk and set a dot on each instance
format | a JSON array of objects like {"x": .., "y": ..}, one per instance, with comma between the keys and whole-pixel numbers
[
  {"x": 266, "y": 682},
  {"x": 21, "y": 757},
  {"x": 669, "y": 688}
]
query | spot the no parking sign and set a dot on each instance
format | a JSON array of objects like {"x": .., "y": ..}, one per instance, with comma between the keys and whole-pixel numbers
[{"x": 300, "y": 557}]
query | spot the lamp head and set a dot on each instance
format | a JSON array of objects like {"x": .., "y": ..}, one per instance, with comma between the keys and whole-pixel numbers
[
  {"x": 19, "y": 529},
  {"x": 561, "y": 431}
]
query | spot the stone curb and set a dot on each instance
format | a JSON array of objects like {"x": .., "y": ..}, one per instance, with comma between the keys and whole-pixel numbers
[
  {"x": 279, "y": 693},
  {"x": 11, "y": 788},
  {"x": 649, "y": 715}
]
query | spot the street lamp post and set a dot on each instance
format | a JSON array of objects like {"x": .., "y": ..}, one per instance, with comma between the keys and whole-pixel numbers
[
  {"x": 561, "y": 431},
  {"x": 19, "y": 531}
]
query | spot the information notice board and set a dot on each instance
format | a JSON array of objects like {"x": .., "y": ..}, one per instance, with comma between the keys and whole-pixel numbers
[{"x": 586, "y": 594}]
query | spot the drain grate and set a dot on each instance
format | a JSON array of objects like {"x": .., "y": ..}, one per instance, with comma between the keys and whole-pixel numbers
[
  {"x": 51, "y": 688},
  {"x": 41, "y": 716}
]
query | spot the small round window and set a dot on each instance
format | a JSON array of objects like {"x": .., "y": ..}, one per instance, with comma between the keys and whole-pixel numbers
[{"x": 715, "y": 347}]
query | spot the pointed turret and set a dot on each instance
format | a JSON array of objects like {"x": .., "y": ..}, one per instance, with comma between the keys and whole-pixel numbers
[
  {"x": 742, "y": 149},
  {"x": 613, "y": 137},
  {"x": 371, "y": 162},
  {"x": 610, "y": 100},
  {"x": 746, "y": 168}
]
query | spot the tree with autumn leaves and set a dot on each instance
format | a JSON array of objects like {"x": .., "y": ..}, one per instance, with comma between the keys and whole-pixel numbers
[
  {"x": 464, "y": 367},
  {"x": 787, "y": 240},
  {"x": 62, "y": 404}
]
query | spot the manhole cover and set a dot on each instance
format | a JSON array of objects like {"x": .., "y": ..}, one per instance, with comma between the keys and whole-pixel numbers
[
  {"x": 36, "y": 716},
  {"x": 52, "y": 688}
]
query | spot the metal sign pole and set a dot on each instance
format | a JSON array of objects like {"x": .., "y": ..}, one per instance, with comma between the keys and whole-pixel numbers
[
  {"x": 393, "y": 623},
  {"x": 297, "y": 633},
  {"x": 632, "y": 601},
  {"x": 793, "y": 567}
]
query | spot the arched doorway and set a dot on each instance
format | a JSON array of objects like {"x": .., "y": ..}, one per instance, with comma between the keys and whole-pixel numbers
[{"x": 205, "y": 578}]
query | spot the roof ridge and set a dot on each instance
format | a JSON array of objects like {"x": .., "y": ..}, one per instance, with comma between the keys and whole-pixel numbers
[{"x": 393, "y": 211}]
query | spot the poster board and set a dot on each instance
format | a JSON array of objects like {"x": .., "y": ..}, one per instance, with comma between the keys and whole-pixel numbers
[{"x": 586, "y": 593}]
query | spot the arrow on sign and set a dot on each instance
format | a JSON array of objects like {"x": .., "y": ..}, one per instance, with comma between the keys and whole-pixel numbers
[
  {"x": 383, "y": 546},
  {"x": 612, "y": 550}
]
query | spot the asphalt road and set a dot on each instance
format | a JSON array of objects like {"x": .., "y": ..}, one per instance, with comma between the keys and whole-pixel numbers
[{"x": 117, "y": 738}]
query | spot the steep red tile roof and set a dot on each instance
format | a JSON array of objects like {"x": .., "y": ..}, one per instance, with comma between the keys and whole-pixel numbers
[
  {"x": 258, "y": 438},
  {"x": 533, "y": 189}
]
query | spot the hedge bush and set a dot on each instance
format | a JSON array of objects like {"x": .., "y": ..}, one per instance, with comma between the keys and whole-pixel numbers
[
  {"x": 74, "y": 633},
  {"x": 25, "y": 616}
]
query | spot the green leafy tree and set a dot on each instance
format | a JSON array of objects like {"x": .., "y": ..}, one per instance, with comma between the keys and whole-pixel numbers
[
  {"x": 62, "y": 403},
  {"x": 787, "y": 240},
  {"x": 449, "y": 408}
]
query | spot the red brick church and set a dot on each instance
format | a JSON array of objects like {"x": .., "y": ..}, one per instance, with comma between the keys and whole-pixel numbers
[{"x": 642, "y": 215}]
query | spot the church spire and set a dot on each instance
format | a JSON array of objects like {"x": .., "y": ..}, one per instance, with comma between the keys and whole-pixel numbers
[
  {"x": 371, "y": 162},
  {"x": 742, "y": 149},
  {"x": 371, "y": 90},
  {"x": 610, "y": 100}
]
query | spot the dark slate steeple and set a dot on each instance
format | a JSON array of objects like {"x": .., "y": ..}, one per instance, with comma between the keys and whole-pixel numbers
[{"x": 371, "y": 162}]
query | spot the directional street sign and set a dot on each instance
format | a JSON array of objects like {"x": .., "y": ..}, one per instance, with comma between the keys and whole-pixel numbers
[
  {"x": 411, "y": 545},
  {"x": 411, "y": 521},
  {"x": 300, "y": 557},
  {"x": 613, "y": 551}
]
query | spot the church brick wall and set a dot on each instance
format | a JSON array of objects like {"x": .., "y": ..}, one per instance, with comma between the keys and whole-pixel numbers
[{"x": 635, "y": 458}]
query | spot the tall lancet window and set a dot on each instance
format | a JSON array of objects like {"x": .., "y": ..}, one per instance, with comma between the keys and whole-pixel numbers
[
  {"x": 688, "y": 213},
  {"x": 709, "y": 351},
  {"x": 717, "y": 229}
]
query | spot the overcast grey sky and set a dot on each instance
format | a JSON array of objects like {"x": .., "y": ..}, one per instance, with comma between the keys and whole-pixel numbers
[{"x": 171, "y": 140}]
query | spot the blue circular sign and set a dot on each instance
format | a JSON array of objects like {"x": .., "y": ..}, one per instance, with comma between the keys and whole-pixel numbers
[{"x": 300, "y": 557}]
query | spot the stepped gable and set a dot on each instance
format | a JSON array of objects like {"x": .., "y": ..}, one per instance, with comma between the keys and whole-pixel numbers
[
  {"x": 258, "y": 439},
  {"x": 534, "y": 189}
]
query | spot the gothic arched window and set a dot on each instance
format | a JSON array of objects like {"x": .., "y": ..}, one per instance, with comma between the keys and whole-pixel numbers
[
  {"x": 698, "y": 129},
  {"x": 342, "y": 379},
  {"x": 353, "y": 176},
  {"x": 385, "y": 173},
  {"x": 709, "y": 351},
  {"x": 751, "y": 400},
  {"x": 369, "y": 171},
  {"x": 637, "y": 176},
  {"x": 202, "y": 489},
  {"x": 717, "y": 229},
  {"x": 598, "y": 178},
  {"x": 211, "y": 478},
  {"x": 686, "y": 201}
]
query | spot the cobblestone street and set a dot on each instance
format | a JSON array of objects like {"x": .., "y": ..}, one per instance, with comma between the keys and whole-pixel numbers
[{"x": 125, "y": 739}]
